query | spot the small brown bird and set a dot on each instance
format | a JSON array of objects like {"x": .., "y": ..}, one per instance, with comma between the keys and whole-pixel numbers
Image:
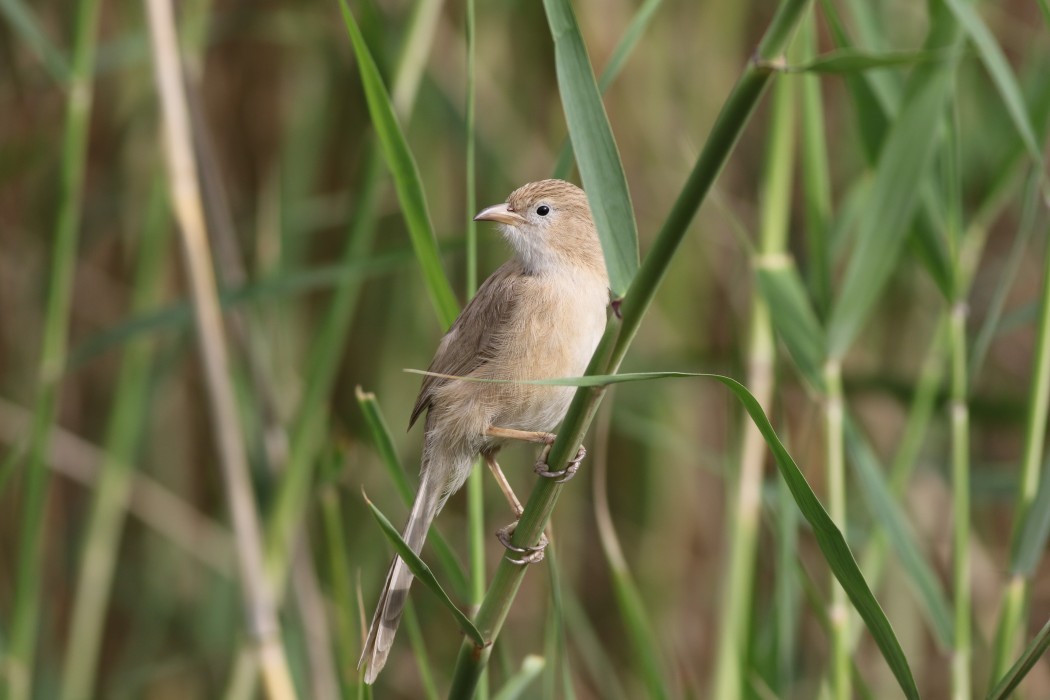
[{"x": 539, "y": 316}]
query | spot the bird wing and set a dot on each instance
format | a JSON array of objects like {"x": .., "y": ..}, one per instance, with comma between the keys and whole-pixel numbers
[{"x": 469, "y": 343}]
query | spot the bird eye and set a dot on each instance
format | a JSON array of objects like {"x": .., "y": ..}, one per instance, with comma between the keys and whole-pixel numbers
[{"x": 543, "y": 210}]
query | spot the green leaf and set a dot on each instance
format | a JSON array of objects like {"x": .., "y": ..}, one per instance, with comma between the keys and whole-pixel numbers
[
  {"x": 894, "y": 523},
  {"x": 852, "y": 60},
  {"x": 903, "y": 163},
  {"x": 1032, "y": 653},
  {"x": 794, "y": 318},
  {"x": 421, "y": 571},
  {"x": 995, "y": 61},
  {"x": 407, "y": 181},
  {"x": 596, "y": 152},
  {"x": 384, "y": 443}
]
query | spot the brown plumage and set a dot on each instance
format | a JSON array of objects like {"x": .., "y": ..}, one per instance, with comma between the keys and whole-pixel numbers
[{"x": 540, "y": 315}]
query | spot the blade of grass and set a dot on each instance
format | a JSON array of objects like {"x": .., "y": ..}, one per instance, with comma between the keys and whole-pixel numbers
[
  {"x": 618, "y": 58},
  {"x": 407, "y": 181},
  {"x": 596, "y": 152},
  {"x": 29, "y": 569},
  {"x": 422, "y": 572},
  {"x": 853, "y": 60},
  {"x": 1032, "y": 653},
  {"x": 1002, "y": 77},
  {"x": 384, "y": 443}
]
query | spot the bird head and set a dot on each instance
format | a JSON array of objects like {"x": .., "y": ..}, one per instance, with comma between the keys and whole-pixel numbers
[{"x": 549, "y": 225}]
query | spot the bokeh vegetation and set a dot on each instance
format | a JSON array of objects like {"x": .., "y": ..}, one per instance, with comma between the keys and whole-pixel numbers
[{"x": 871, "y": 262}]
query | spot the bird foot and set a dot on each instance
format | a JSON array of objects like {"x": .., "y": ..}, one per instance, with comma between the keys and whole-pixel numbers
[
  {"x": 560, "y": 477},
  {"x": 529, "y": 555}
]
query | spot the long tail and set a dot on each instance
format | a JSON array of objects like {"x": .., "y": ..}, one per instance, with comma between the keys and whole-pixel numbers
[{"x": 398, "y": 579}]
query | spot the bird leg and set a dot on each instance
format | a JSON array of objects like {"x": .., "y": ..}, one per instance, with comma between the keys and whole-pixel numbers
[
  {"x": 546, "y": 439},
  {"x": 523, "y": 435},
  {"x": 529, "y": 555},
  {"x": 504, "y": 485}
]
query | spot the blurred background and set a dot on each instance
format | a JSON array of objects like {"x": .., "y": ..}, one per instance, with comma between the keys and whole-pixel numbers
[{"x": 323, "y": 294}]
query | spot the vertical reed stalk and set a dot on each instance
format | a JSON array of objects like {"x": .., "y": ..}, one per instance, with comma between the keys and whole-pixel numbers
[
  {"x": 263, "y": 626},
  {"x": 476, "y": 481},
  {"x": 775, "y": 200},
  {"x": 838, "y": 610},
  {"x": 29, "y": 578},
  {"x": 1015, "y": 599},
  {"x": 960, "y": 504}
]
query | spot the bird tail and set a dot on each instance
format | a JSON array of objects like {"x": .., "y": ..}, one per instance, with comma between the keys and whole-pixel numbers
[{"x": 395, "y": 591}]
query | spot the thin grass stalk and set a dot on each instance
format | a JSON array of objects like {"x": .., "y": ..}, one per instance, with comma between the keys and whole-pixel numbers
[
  {"x": 29, "y": 574},
  {"x": 263, "y": 626},
  {"x": 1015, "y": 598},
  {"x": 731, "y": 655},
  {"x": 838, "y": 607},
  {"x": 960, "y": 426},
  {"x": 114, "y": 480},
  {"x": 476, "y": 481},
  {"x": 961, "y": 653},
  {"x": 725, "y": 133},
  {"x": 346, "y": 638}
]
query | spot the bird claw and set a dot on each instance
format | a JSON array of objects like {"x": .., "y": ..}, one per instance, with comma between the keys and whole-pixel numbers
[
  {"x": 530, "y": 555},
  {"x": 560, "y": 477}
]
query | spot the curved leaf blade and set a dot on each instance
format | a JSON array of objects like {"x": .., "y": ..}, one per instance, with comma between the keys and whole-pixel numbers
[{"x": 421, "y": 571}]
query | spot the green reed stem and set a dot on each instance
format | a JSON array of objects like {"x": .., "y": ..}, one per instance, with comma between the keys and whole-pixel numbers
[
  {"x": 731, "y": 655},
  {"x": 29, "y": 576}
]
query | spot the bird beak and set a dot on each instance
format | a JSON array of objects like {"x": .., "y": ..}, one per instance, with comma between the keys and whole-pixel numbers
[{"x": 500, "y": 213}]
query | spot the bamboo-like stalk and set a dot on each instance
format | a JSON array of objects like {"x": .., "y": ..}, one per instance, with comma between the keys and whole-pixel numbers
[
  {"x": 114, "y": 482},
  {"x": 1015, "y": 598},
  {"x": 263, "y": 626},
  {"x": 839, "y": 607},
  {"x": 960, "y": 422},
  {"x": 726, "y": 131},
  {"x": 731, "y": 655},
  {"x": 476, "y": 481},
  {"x": 29, "y": 577}
]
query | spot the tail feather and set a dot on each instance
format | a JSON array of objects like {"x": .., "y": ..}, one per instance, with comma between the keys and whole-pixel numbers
[{"x": 395, "y": 591}]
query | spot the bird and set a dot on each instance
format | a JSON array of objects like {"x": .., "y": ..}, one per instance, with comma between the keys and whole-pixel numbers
[{"x": 540, "y": 315}]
